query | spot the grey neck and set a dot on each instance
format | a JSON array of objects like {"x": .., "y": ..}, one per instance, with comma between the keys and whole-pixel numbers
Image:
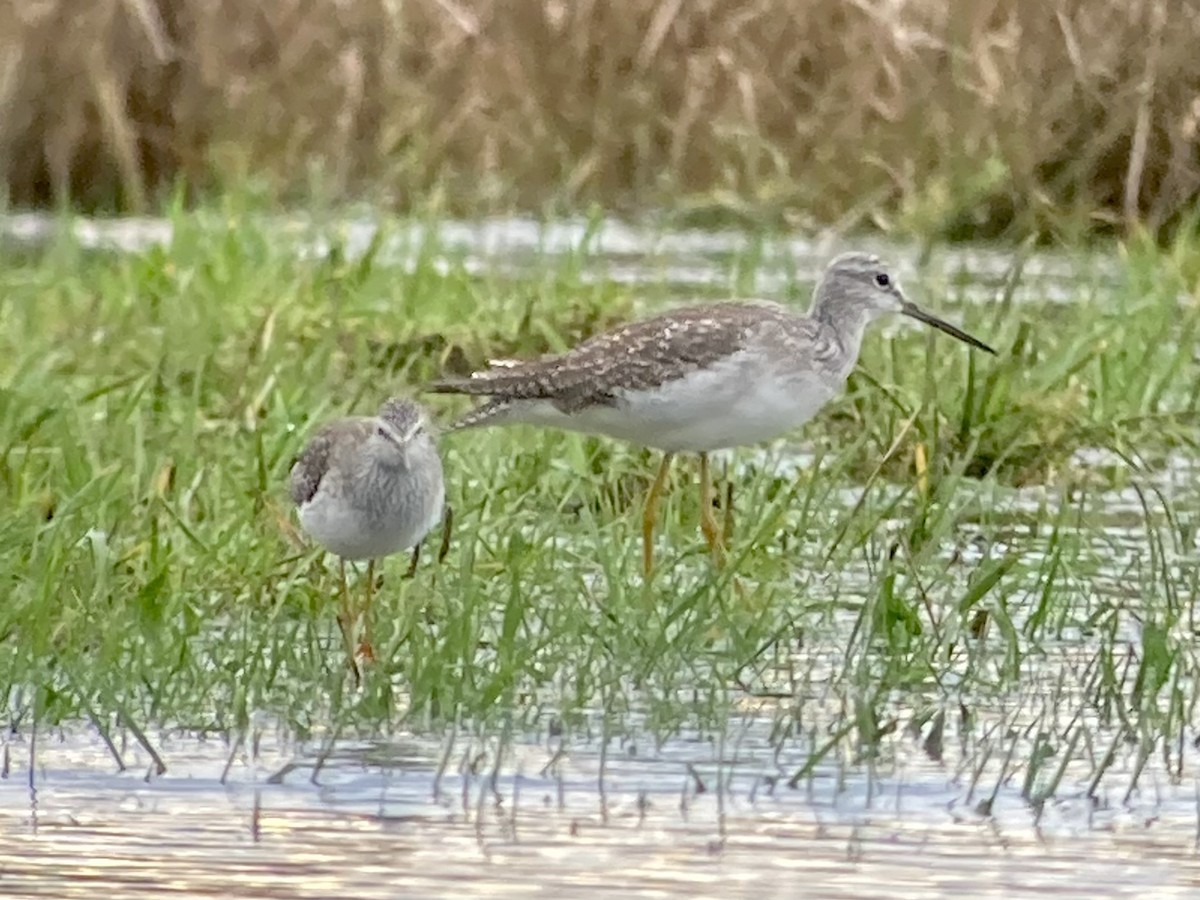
[{"x": 845, "y": 323}]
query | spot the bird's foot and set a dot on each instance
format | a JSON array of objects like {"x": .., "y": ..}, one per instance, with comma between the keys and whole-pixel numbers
[{"x": 365, "y": 653}]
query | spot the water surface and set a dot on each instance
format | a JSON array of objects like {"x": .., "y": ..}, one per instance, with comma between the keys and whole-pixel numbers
[{"x": 478, "y": 817}]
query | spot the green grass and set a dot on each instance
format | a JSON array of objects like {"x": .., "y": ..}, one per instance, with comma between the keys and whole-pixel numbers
[{"x": 151, "y": 405}]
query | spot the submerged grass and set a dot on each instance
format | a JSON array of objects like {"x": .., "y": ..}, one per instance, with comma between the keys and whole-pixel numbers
[{"x": 946, "y": 549}]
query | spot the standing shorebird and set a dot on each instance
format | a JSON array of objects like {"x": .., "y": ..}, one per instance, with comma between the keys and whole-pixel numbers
[
  {"x": 700, "y": 378},
  {"x": 367, "y": 487}
]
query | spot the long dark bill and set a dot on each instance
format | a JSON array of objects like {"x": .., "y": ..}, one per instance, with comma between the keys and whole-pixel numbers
[{"x": 911, "y": 309}]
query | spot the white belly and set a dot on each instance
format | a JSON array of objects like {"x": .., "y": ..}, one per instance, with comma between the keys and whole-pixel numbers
[
  {"x": 735, "y": 404},
  {"x": 344, "y": 531}
]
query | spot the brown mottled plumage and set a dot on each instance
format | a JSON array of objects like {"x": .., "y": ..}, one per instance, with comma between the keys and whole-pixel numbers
[
  {"x": 636, "y": 356},
  {"x": 332, "y": 440}
]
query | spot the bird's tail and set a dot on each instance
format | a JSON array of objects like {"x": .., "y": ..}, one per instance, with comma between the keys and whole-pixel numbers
[
  {"x": 501, "y": 377},
  {"x": 457, "y": 386},
  {"x": 492, "y": 412}
]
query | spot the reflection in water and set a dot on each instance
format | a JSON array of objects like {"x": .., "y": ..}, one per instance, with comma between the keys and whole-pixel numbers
[{"x": 471, "y": 817}]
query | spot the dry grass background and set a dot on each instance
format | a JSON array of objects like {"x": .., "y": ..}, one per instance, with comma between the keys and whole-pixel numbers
[{"x": 966, "y": 117}]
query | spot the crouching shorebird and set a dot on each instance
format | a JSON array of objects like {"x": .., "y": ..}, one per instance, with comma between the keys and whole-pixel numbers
[
  {"x": 700, "y": 378},
  {"x": 367, "y": 487}
]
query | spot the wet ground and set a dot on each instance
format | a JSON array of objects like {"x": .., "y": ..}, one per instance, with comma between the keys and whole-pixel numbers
[
  {"x": 471, "y": 817},
  {"x": 573, "y": 813}
]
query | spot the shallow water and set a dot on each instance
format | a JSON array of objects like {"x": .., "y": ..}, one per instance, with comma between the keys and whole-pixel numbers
[
  {"x": 924, "y": 815},
  {"x": 687, "y": 261},
  {"x": 475, "y": 817}
]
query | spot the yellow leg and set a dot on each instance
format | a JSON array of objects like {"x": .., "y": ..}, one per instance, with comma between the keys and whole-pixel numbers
[
  {"x": 345, "y": 615},
  {"x": 727, "y": 525},
  {"x": 713, "y": 532},
  {"x": 346, "y": 620},
  {"x": 650, "y": 514},
  {"x": 366, "y": 649}
]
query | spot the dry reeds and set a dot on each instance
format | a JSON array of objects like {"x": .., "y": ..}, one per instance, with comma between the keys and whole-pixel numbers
[{"x": 952, "y": 114}]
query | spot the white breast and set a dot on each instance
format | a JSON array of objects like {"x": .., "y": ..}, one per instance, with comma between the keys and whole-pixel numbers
[
  {"x": 377, "y": 515},
  {"x": 739, "y": 401}
]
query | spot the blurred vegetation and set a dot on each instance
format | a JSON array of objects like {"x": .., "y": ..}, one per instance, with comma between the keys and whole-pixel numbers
[{"x": 965, "y": 120}]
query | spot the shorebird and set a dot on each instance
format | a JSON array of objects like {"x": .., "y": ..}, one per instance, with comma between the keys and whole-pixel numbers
[
  {"x": 367, "y": 487},
  {"x": 700, "y": 378}
]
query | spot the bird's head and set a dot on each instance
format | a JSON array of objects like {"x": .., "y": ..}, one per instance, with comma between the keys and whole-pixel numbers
[
  {"x": 401, "y": 422},
  {"x": 859, "y": 287}
]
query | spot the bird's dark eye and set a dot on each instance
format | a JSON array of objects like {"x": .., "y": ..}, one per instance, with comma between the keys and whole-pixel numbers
[{"x": 882, "y": 279}]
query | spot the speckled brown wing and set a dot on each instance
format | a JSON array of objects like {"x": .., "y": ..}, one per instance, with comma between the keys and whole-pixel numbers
[
  {"x": 320, "y": 453},
  {"x": 636, "y": 356}
]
